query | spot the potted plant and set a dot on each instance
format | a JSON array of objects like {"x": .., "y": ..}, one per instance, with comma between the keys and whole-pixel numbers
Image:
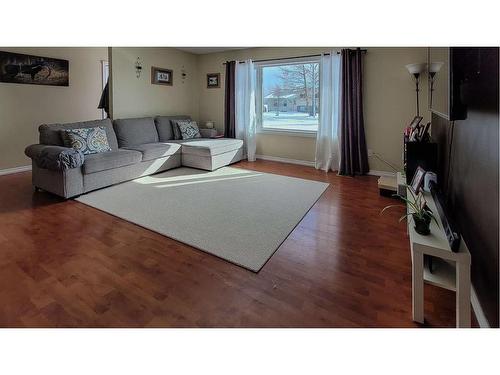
[{"x": 418, "y": 209}]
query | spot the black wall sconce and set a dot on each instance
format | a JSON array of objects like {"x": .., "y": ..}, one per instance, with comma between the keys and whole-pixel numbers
[
  {"x": 183, "y": 74},
  {"x": 138, "y": 67}
]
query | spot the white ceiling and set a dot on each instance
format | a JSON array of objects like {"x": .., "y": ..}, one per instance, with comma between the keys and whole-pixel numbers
[{"x": 205, "y": 50}]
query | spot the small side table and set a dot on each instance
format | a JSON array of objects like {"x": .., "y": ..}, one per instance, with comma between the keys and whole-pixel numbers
[{"x": 450, "y": 270}]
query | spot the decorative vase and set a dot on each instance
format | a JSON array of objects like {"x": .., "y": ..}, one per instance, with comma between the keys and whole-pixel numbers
[
  {"x": 422, "y": 226},
  {"x": 209, "y": 124}
]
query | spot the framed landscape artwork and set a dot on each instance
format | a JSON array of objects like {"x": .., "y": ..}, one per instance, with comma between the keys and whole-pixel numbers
[
  {"x": 33, "y": 70},
  {"x": 213, "y": 80},
  {"x": 161, "y": 76}
]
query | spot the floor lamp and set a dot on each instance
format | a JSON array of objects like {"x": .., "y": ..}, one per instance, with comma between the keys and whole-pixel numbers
[
  {"x": 416, "y": 70},
  {"x": 434, "y": 68}
]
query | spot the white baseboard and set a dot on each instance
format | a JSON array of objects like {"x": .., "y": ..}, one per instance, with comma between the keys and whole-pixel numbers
[
  {"x": 285, "y": 160},
  {"x": 374, "y": 172},
  {"x": 478, "y": 310},
  {"x": 23, "y": 168}
]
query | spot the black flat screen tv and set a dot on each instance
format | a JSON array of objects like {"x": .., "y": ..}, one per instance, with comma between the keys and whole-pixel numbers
[{"x": 456, "y": 86}]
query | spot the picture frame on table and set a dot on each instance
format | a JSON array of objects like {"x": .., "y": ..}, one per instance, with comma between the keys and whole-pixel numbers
[
  {"x": 413, "y": 135},
  {"x": 424, "y": 133},
  {"x": 418, "y": 180},
  {"x": 414, "y": 128},
  {"x": 415, "y": 122}
]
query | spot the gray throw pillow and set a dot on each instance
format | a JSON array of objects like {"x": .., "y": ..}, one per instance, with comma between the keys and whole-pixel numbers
[
  {"x": 189, "y": 129},
  {"x": 87, "y": 140},
  {"x": 175, "y": 129}
]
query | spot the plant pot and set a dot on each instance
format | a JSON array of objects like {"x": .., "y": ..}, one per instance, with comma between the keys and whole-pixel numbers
[{"x": 422, "y": 225}]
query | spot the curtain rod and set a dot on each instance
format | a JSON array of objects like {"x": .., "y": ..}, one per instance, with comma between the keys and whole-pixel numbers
[{"x": 296, "y": 57}]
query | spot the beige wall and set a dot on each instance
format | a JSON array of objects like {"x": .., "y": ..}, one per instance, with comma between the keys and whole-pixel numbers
[
  {"x": 136, "y": 97},
  {"x": 388, "y": 93},
  {"x": 389, "y": 101},
  {"x": 441, "y": 89},
  {"x": 24, "y": 107}
]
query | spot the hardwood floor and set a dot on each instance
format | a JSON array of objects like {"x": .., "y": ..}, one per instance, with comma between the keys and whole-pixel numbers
[{"x": 64, "y": 264}]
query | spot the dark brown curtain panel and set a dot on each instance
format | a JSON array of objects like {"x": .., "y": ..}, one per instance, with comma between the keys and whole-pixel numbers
[
  {"x": 353, "y": 154},
  {"x": 104, "y": 102},
  {"x": 229, "y": 102}
]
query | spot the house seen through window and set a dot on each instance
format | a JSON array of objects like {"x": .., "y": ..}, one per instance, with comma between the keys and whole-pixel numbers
[{"x": 289, "y": 96}]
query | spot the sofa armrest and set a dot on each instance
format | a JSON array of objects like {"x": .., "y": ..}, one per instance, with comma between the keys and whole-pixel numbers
[
  {"x": 208, "y": 133},
  {"x": 55, "y": 158}
]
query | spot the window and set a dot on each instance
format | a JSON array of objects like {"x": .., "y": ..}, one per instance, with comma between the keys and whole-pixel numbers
[{"x": 288, "y": 96}]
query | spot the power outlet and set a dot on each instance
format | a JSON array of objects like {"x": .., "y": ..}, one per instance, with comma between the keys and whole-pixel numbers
[{"x": 370, "y": 152}]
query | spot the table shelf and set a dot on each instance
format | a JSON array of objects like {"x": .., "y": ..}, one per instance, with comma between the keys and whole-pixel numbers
[
  {"x": 451, "y": 270},
  {"x": 443, "y": 274}
]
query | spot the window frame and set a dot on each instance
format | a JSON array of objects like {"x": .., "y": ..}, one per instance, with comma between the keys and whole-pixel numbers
[{"x": 259, "y": 105}]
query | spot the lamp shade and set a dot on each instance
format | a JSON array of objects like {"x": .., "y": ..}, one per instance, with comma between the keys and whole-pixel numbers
[
  {"x": 416, "y": 68},
  {"x": 435, "y": 67}
]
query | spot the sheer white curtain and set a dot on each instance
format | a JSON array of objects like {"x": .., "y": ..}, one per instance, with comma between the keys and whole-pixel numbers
[
  {"x": 327, "y": 138},
  {"x": 245, "y": 106}
]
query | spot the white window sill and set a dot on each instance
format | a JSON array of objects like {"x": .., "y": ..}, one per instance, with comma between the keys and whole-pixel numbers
[{"x": 295, "y": 133}]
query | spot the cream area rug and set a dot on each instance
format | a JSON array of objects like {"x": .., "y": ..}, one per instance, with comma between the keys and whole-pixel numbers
[{"x": 238, "y": 215}]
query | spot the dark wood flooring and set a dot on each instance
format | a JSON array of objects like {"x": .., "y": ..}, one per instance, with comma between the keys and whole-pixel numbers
[{"x": 64, "y": 264}]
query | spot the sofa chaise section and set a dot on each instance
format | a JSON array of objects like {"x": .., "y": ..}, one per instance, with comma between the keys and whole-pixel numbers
[
  {"x": 202, "y": 153},
  {"x": 211, "y": 154}
]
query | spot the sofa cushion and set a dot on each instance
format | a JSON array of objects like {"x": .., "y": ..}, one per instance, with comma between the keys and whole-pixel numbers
[
  {"x": 209, "y": 147},
  {"x": 110, "y": 160},
  {"x": 87, "y": 140},
  {"x": 164, "y": 126},
  {"x": 50, "y": 134},
  {"x": 135, "y": 131},
  {"x": 152, "y": 151}
]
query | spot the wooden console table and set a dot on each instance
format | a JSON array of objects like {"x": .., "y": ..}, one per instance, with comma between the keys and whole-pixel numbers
[{"x": 450, "y": 270}]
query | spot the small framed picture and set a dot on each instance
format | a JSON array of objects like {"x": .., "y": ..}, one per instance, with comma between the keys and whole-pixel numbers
[
  {"x": 413, "y": 134},
  {"x": 161, "y": 76},
  {"x": 415, "y": 122},
  {"x": 213, "y": 80},
  {"x": 424, "y": 134},
  {"x": 418, "y": 179}
]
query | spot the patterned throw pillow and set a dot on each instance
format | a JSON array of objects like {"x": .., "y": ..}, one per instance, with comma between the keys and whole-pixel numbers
[
  {"x": 87, "y": 140},
  {"x": 189, "y": 129}
]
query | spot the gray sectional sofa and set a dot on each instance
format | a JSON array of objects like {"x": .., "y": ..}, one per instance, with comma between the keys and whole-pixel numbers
[{"x": 139, "y": 147}]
